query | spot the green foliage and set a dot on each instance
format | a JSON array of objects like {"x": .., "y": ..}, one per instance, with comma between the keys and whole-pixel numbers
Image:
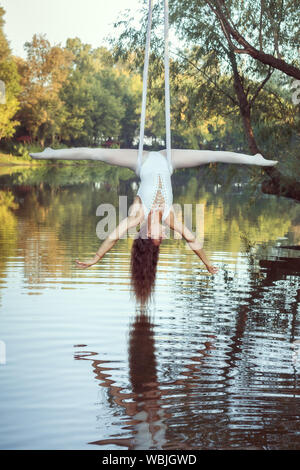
[
  {"x": 205, "y": 107},
  {"x": 101, "y": 98},
  {"x": 42, "y": 112},
  {"x": 21, "y": 150},
  {"x": 9, "y": 76},
  {"x": 76, "y": 95},
  {"x": 7, "y": 200},
  {"x": 80, "y": 96}
]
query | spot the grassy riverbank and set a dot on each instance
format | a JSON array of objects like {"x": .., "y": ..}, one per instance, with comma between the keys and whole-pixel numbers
[
  {"x": 10, "y": 163},
  {"x": 7, "y": 159}
]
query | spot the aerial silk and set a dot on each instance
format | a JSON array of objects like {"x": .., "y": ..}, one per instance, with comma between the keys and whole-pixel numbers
[{"x": 167, "y": 85}]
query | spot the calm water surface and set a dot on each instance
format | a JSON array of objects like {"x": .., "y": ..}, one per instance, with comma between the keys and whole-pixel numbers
[{"x": 212, "y": 363}]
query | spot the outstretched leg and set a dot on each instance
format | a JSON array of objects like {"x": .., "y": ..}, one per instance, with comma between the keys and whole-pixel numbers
[
  {"x": 121, "y": 157},
  {"x": 191, "y": 158}
]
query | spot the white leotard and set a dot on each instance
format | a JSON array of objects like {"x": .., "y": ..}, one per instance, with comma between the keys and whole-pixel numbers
[{"x": 155, "y": 188}]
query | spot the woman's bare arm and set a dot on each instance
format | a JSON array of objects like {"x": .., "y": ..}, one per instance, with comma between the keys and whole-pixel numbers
[
  {"x": 110, "y": 241},
  {"x": 179, "y": 227}
]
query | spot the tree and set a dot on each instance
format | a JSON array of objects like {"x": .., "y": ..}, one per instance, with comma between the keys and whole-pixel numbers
[
  {"x": 217, "y": 63},
  {"x": 273, "y": 23},
  {"x": 100, "y": 98},
  {"x": 43, "y": 73},
  {"x": 11, "y": 84}
]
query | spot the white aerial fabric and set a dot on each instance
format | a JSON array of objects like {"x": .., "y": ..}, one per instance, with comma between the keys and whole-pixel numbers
[
  {"x": 155, "y": 189},
  {"x": 167, "y": 86},
  {"x": 145, "y": 79}
]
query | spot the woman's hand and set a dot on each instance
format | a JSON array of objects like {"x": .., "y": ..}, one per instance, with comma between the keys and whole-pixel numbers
[
  {"x": 212, "y": 269},
  {"x": 86, "y": 264}
]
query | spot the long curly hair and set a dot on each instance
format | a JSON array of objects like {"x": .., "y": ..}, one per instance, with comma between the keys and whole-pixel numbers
[{"x": 144, "y": 258}]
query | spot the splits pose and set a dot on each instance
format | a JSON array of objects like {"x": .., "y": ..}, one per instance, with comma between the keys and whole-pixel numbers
[{"x": 152, "y": 204}]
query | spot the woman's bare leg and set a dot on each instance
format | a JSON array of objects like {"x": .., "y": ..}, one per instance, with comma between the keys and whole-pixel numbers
[
  {"x": 120, "y": 157},
  {"x": 191, "y": 158}
]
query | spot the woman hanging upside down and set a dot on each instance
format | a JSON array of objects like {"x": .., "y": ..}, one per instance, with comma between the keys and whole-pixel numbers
[{"x": 152, "y": 204}]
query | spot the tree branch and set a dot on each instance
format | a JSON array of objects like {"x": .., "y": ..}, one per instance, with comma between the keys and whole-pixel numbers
[
  {"x": 263, "y": 57},
  {"x": 208, "y": 78},
  {"x": 270, "y": 71}
]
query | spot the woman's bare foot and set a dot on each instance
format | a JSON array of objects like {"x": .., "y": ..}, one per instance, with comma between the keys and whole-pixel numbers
[
  {"x": 47, "y": 153},
  {"x": 258, "y": 159},
  {"x": 88, "y": 263},
  {"x": 212, "y": 269}
]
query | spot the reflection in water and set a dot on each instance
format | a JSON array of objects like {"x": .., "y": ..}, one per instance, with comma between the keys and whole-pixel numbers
[
  {"x": 296, "y": 349},
  {"x": 213, "y": 364},
  {"x": 280, "y": 268},
  {"x": 239, "y": 390},
  {"x": 144, "y": 405}
]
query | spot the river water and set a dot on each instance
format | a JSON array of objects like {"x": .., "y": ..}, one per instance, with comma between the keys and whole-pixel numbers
[{"x": 212, "y": 362}]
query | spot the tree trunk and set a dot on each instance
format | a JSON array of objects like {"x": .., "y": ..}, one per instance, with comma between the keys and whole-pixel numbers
[
  {"x": 281, "y": 185},
  {"x": 278, "y": 184}
]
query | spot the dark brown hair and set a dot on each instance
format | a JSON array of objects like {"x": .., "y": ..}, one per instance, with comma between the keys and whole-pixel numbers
[{"x": 144, "y": 258}]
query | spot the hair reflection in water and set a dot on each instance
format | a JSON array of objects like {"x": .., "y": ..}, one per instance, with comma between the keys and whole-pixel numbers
[{"x": 144, "y": 404}]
